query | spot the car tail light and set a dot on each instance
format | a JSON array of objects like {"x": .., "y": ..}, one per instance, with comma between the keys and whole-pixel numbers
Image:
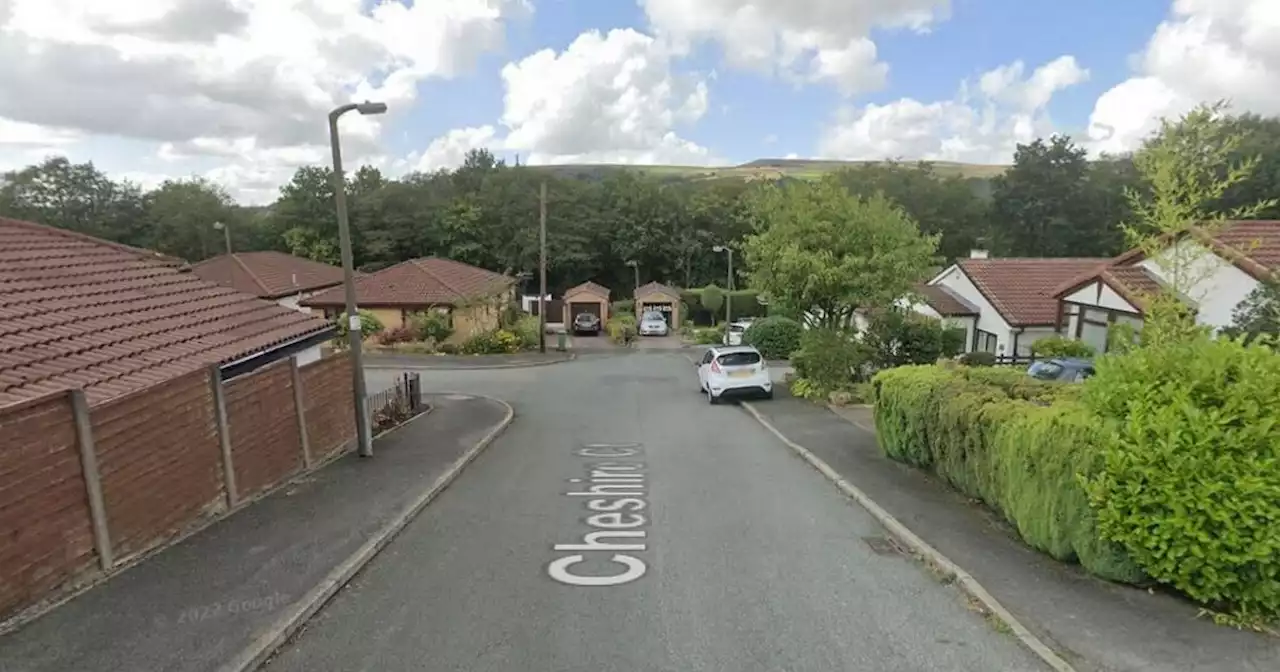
[{"x": 715, "y": 366}]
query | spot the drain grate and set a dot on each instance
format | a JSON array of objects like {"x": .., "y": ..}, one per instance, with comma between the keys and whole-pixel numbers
[{"x": 883, "y": 545}]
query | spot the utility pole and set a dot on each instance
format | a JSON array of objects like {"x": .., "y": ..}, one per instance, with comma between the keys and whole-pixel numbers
[
  {"x": 728, "y": 299},
  {"x": 542, "y": 269}
]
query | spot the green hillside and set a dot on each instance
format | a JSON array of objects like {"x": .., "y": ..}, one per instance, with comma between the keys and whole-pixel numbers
[{"x": 761, "y": 169}]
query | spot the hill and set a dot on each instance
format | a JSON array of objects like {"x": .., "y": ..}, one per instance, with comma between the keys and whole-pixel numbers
[{"x": 761, "y": 169}]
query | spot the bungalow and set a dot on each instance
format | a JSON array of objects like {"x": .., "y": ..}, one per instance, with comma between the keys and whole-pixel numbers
[
  {"x": 270, "y": 275},
  {"x": 81, "y": 312},
  {"x": 472, "y": 297},
  {"x": 1005, "y": 305},
  {"x": 1219, "y": 270}
]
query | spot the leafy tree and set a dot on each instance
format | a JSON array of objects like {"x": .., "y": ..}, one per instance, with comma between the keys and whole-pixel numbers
[
  {"x": 181, "y": 214},
  {"x": 713, "y": 300},
  {"x": 821, "y": 250},
  {"x": 898, "y": 337},
  {"x": 75, "y": 196},
  {"x": 1258, "y": 315}
]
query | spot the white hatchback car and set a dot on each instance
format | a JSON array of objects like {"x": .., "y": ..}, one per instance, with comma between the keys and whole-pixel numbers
[
  {"x": 653, "y": 323},
  {"x": 734, "y": 371},
  {"x": 734, "y": 330}
]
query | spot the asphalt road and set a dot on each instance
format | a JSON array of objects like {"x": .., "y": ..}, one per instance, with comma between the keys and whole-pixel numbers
[{"x": 716, "y": 548}]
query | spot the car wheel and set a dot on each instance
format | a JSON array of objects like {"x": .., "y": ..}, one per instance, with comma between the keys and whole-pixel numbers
[
  {"x": 768, "y": 395},
  {"x": 712, "y": 399}
]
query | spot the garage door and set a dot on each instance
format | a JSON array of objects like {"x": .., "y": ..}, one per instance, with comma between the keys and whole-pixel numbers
[
  {"x": 664, "y": 308},
  {"x": 578, "y": 308}
]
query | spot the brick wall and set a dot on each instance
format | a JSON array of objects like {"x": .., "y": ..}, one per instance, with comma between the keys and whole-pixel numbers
[
  {"x": 160, "y": 461},
  {"x": 265, "y": 445},
  {"x": 329, "y": 401},
  {"x": 46, "y": 535}
]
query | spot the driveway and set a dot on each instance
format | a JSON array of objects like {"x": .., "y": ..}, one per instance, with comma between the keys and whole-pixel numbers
[{"x": 622, "y": 523}]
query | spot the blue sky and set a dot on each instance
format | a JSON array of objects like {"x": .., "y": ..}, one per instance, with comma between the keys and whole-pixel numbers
[{"x": 748, "y": 108}]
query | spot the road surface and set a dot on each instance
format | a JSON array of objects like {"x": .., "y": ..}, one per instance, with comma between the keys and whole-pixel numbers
[{"x": 622, "y": 523}]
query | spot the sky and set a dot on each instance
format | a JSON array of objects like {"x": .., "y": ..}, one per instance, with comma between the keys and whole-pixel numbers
[{"x": 238, "y": 91}]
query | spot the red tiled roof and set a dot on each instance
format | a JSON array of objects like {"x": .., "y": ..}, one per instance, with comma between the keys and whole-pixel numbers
[
  {"x": 945, "y": 302},
  {"x": 76, "y": 311},
  {"x": 1022, "y": 290},
  {"x": 591, "y": 287},
  {"x": 657, "y": 287},
  {"x": 419, "y": 282},
  {"x": 269, "y": 274}
]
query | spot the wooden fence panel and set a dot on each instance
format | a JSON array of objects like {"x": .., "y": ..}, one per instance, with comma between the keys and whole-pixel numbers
[
  {"x": 326, "y": 389},
  {"x": 265, "y": 445}
]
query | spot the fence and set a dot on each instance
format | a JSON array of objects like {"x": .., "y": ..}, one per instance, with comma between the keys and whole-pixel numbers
[
  {"x": 395, "y": 404},
  {"x": 85, "y": 490}
]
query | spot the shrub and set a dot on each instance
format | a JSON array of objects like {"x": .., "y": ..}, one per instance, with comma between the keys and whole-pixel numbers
[
  {"x": 708, "y": 335},
  {"x": 448, "y": 348},
  {"x": 401, "y": 334},
  {"x": 829, "y": 360},
  {"x": 1192, "y": 467},
  {"x": 1061, "y": 346},
  {"x": 1021, "y": 458},
  {"x": 432, "y": 326},
  {"x": 369, "y": 324},
  {"x": 978, "y": 359},
  {"x": 899, "y": 337},
  {"x": 526, "y": 330},
  {"x": 712, "y": 300},
  {"x": 774, "y": 337},
  {"x": 622, "y": 328},
  {"x": 623, "y": 306},
  {"x": 493, "y": 342}
]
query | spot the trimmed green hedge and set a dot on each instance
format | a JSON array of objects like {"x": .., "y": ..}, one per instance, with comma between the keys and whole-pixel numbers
[
  {"x": 774, "y": 337},
  {"x": 1013, "y": 442},
  {"x": 742, "y": 301}
]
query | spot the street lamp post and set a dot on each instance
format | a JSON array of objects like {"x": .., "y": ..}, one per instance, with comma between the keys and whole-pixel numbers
[
  {"x": 364, "y": 437},
  {"x": 226, "y": 230},
  {"x": 728, "y": 299}
]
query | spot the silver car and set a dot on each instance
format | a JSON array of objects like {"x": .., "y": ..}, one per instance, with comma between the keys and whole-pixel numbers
[{"x": 653, "y": 323}]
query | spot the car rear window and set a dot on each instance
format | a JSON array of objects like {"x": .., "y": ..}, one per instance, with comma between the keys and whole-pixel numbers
[
  {"x": 739, "y": 359},
  {"x": 737, "y": 328}
]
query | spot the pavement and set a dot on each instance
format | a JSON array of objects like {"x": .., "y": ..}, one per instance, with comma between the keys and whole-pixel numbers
[
  {"x": 409, "y": 361},
  {"x": 712, "y": 547},
  {"x": 1095, "y": 625},
  {"x": 198, "y": 604}
]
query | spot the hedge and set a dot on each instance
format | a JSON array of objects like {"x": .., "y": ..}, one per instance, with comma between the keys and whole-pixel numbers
[
  {"x": 774, "y": 337},
  {"x": 1017, "y": 444},
  {"x": 742, "y": 303}
]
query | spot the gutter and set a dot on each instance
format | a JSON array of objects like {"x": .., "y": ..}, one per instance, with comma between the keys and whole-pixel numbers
[{"x": 244, "y": 365}]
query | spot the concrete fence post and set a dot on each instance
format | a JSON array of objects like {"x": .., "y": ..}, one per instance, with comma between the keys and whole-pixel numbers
[
  {"x": 92, "y": 479},
  {"x": 224, "y": 434},
  {"x": 300, "y": 409}
]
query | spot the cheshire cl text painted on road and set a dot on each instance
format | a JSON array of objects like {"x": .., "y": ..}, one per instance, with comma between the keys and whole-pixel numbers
[{"x": 616, "y": 487}]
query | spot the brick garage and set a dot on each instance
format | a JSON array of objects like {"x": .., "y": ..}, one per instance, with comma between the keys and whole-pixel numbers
[
  {"x": 588, "y": 297},
  {"x": 657, "y": 296}
]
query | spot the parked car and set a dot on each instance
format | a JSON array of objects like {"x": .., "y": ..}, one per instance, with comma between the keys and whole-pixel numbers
[
  {"x": 653, "y": 323},
  {"x": 734, "y": 330},
  {"x": 734, "y": 371},
  {"x": 586, "y": 323},
  {"x": 1065, "y": 369}
]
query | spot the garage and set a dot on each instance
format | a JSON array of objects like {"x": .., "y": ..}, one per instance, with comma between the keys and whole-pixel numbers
[
  {"x": 588, "y": 297},
  {"x": 659, "y": 297}
]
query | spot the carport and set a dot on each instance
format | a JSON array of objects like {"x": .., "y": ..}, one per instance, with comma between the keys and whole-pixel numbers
[
  {"x": 659, "y": 297},
  {"x": 588, "y": 297}
]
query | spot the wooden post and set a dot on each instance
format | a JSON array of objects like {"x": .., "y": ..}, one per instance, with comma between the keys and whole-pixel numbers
[
  {"x": 92, "y": 479},
  {"x": 224, "y": 434},
  {"x": 300, "y": 409}
]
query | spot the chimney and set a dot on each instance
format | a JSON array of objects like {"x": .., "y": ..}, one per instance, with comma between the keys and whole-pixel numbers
[{"x": 978, "y": 254}]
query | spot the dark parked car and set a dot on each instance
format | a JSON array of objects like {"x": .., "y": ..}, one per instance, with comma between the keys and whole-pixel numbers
[
  {"x": 1065, "y": 369},
  {"x": 586, "y": 323}
]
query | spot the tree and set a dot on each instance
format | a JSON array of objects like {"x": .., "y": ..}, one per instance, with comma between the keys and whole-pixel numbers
[
  {"x": 1258, "y": 315},
  {"x": 820, "y": 250},
  {"x": 75, "y": 196},
  {"x": 713, "y": 300},
  {"x": 1043, "y": 205},
  {"x": 180, "y": 217}
]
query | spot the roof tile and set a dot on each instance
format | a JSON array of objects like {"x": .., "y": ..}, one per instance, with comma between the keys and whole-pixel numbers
[
  {"x": 946, "y": 302},
  {"x": 1022, "y": 289},
  {"x": 419, "y": 282},
  {"x": 268, "y": 274},
  {"x": 76, "y": 311}
]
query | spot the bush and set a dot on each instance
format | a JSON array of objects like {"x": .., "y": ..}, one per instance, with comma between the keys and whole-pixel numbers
[
  {"x": 493, "y": 342},
  {"x": 622, "y": 328},
  {"x": 432, "y": 326},
  {"x": 978, "y": 359},
  {"x": 448, "y": 348},
  {"x": 624, "y": 306},
  {"x": 709, "y": 335},
  {"x": 1019, "y": 457},
  {"x": 829, "y": 360},
  {"x": 369, "y": 324},
  {"x": 899, "y": 337},
  {"x": 1061, "y": 346},
  {"x": 526, "y": 330},
  {"x": 401, "y": 334},
  {"x": 712, "y": 300},
  {"x": 774, "y": 337},
  {"x": 742, "y": 303},
  {"x": 1192, "y": 475}
]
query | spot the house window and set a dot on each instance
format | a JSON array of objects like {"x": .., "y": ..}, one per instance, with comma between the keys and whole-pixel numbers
[{"x": 986, "y": 341}]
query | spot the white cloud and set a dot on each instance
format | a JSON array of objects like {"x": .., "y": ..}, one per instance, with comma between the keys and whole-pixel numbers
[
  {"x": 801, "y": 40},
  {"x": 197, "y": 75},
  {"x": 985, "y": 126},
  {"x": 607, "y": 98},
  {"x": 1206, "y": 50}
]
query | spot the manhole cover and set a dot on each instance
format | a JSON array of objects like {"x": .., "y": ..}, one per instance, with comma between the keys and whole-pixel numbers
[
  {"x": 458, "y": 397},
  {"x": 883, "y": 545}
]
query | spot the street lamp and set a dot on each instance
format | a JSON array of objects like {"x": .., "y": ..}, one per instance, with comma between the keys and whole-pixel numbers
[
  {"x": 728, "y": 299},
  {"x": 226, "y": 230},
  {"x": 635, "y": 265},
  {"x": 364, "y": 437}
]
